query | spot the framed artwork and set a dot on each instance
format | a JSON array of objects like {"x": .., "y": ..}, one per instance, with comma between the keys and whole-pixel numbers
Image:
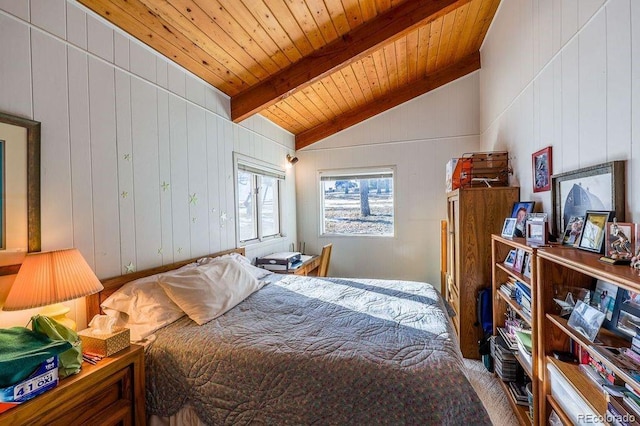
[
  {"x": 593, "y": 230},
  {"x": 520, "y": 211},
  {"x": 519, "y": 263},
  {"x": 510, "y": 260},
  {"x": 573, "y": 230},
  {"x": 541, "y": 165},
  {"x": 20, "y": 171},
  {"x": 598, "y": 187},
  {"x": 620, "y": 241},
  {"x": 509, "y": 227}
]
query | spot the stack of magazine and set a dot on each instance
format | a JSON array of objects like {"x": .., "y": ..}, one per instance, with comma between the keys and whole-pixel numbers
[
  {"x": 505, "y": 363},
  {"x": 518, "y": 392}
]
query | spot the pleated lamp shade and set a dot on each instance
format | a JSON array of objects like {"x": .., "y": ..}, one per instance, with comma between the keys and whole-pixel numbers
[{"x": 51, "y": 277}]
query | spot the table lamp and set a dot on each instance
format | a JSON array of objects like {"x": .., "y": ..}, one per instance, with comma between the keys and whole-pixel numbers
[{"x": 49, "y": 278}]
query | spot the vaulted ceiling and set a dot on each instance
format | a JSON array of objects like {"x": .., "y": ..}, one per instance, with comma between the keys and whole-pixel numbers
[{"x": 314, "y": 67}]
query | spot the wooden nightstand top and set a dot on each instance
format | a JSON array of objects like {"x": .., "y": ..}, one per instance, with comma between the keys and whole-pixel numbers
[{"x": 113, "y": 389}]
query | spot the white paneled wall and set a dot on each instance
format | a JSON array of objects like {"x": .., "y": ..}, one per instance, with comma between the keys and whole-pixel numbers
[
  {"x": 580, "y": 95},
  {"x": 136, "y": 152},
  {"x": 418, "y": 138}
]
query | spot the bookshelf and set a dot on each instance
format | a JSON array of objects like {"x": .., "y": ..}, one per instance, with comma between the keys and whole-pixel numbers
[
  {"x": 502, "y": 303},
  {"x": 559, "y": 267}
]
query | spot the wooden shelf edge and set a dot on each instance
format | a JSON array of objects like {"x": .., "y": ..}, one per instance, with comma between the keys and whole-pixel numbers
[
  {"x": 516, "y": 308},
  {"x": 559, "y": 411},
  {"x": 586, "y": 389},
  {"x": 515, "y": 274},
  {"x": 526, "y": 367},
  {"x": 514, "y": 242},
  {"x": 521, "y": 411}
]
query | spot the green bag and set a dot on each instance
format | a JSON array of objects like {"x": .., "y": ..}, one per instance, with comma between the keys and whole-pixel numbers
[
  {"x": 70, "y": 361},
  {"x": 22, "y": 351}
]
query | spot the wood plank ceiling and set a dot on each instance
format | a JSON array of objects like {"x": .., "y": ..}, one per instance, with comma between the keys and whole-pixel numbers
[{"x": 314, "y": 67}]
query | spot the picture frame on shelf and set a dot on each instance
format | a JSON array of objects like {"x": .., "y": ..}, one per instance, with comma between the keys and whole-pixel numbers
[
  {"x": 510, "y": 260},
  {"x": 509, "y": 227},
  {"x": 537, "y": 231},
  {"x": 520, "y": 211},
  {"x": 526, "y": 271},
  {"x": 620, "y": 242},
  {"x": 627, "y": 313},
  {"x": 519, "y": 263},
  {"x": 586, "y": 320},
  {"x": 541, "y": 164},
  {"x": 593, "y": 230},
  {"x": 599, "y": 187},
  {"x": 573, "y": 230}
]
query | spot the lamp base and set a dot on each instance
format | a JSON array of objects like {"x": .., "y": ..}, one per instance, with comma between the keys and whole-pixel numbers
[{"x": 58, "y": 312}]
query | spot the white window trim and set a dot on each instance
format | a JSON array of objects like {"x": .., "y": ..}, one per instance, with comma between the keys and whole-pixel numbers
[
  {"x": 269, "y": 169},
  {"x": 356, "y": 171}
]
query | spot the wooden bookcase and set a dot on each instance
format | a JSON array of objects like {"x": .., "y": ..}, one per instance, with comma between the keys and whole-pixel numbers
[
  {"x": 473, "y": 214},
  {"x": 561, "y": 266},
  {"x": 500, "y": 248}
]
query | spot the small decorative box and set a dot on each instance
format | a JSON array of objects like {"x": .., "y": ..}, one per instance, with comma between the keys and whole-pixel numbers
[{"x": 104, "y": 344}]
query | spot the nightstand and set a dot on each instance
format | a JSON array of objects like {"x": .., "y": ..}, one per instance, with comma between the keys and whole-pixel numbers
[{"x": 108, "y": 393}]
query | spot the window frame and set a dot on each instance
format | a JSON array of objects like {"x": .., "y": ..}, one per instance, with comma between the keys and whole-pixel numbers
[
  {"x": 258, "y": 169},
  {"x": 373, "y": 171}
]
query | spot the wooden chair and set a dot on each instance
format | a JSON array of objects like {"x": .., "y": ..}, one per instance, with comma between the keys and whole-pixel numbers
[{"x": 325, "y": 257}]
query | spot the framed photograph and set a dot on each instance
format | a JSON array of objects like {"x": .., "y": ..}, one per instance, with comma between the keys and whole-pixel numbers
[
  {"x": 604, "y": 298},
  {"x": 536, "y": 232},
  {"x": 527, "y": 265},
  {"x": 586, "y": 320},
  {"x": 573, "y": 230},
  {"x": 519, "y": 263},
  {"x": 520, "y": 211},
  {"x": 510, "y": 260},
  {"x": 620, "y": 241},
  {"x": 628, "y": 323},
  {"x": 598, "y": 187},
  {"x": 541, "y": 165},
  {"x": 509, "y": 227},
  {"x": 593, "y": 230}
]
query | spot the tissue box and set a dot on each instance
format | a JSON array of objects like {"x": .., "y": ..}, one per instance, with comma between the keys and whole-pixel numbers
[
  {"x": 104, "y": 344},
  {"x": 45, "y": 377}
]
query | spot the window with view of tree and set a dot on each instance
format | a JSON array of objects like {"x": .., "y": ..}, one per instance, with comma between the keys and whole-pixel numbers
[
  {"x": 358, "y": 202},
  {"x": 258, "y": 198}
]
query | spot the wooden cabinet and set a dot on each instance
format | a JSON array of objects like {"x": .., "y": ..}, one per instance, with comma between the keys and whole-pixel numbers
[
  {"x": 559, "y": 269},
  {"x": 473, "y": 214},
  {"x": 500, "y": 248},
  {"x": 109, "y": 393}
]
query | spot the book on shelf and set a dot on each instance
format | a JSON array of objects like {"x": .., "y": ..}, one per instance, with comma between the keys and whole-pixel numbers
[
  {"x": 620, "y": 414},
  {"x": 592, "y": 373},
  {"x": 518, "y": 392},
  {"x": 510, "y": 339},
  {"x": 617, "y": 357}
]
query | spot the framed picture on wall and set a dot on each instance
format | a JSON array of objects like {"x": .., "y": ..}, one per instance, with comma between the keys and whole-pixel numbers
[
  {"x": 598, "y": 187},
  {"x": 541, "y": 165}
]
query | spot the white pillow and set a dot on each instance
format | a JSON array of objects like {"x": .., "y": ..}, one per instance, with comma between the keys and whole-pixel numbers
[
  {"x": 210, "y": 290},
  {"x": 142, "y": 306},
  {"x": 259, "y": 273}
]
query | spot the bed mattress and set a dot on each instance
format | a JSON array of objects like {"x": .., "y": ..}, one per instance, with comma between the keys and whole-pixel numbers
[{"x": 306, "y": 350}]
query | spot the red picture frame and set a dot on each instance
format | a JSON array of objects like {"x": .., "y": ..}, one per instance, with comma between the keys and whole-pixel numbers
[{"x": 541, "y": 165}]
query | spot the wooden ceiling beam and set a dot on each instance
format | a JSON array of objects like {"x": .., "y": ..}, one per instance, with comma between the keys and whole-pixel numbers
[
  {"x": 343, "y": 51},
  {"x": 403, "y": 94}
]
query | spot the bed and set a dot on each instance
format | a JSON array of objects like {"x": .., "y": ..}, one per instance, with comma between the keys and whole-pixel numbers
[{"x": 305, "y": 350}]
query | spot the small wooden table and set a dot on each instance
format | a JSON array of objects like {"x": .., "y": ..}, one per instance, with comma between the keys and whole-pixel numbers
[{"x": 308, "y": 267}]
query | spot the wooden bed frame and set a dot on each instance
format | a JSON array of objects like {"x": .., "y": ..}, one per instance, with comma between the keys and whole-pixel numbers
[{"x": 112, "y": 284}]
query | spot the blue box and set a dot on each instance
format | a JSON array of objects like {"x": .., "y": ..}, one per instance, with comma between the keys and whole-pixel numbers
[{"x": 45, "y": 377}]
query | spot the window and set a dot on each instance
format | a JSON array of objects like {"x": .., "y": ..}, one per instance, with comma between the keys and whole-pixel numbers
[
  {"x": 358, "y": 202},
  {"x": 258, "y": 200}
]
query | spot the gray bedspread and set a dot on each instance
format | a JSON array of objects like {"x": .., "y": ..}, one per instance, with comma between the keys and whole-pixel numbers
[{"x": 306, "y": 350}]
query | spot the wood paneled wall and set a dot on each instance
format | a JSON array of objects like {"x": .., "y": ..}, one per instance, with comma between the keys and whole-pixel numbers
[
  {"x": 418, "y": 137},
  {"x": 564, "y": 73},
  {"x": 136, "y": 152}
]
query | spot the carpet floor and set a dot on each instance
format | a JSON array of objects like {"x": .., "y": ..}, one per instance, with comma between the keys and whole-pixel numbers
[{"x": 491, "y": 393}]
